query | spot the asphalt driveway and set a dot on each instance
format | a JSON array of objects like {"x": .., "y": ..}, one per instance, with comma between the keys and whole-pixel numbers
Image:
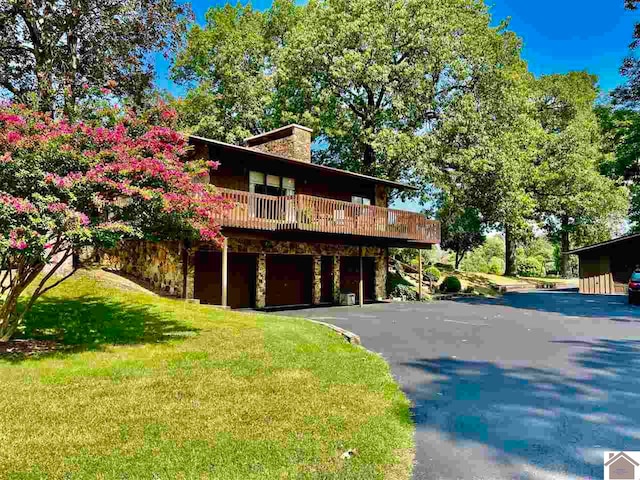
[{"x": 530, "y": 386}]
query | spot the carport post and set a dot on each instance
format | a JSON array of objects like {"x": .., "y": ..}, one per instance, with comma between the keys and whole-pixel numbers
[
  {"x": 225, "y": 263},
  {"x": 420, "y": 274},
  {"x": 361, "y": 284}
]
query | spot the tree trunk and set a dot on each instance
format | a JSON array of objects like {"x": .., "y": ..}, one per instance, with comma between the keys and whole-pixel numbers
[
  {"x": 71, "y": 66},
  {"x": 565, "y": 246},
  {"x": 9, "y": 318},
  {"x": 46, "y": 94},
  {"x": 510, "y": 253},
  {"x": 369, "y": 158}
]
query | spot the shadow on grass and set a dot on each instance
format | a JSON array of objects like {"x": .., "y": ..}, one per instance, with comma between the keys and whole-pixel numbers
[
  {"x": 557, "y": 420},
  {"x": 90, "y": 323}
]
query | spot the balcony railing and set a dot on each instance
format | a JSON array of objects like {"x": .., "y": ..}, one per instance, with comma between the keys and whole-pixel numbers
[{"x": 317, "y": 214}]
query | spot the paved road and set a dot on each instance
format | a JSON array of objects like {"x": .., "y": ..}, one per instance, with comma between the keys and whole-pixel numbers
[{"x": 531, "y": 386}]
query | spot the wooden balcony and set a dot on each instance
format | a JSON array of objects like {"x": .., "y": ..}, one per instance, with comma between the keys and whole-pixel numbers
[{"x": 316, "y": 214}]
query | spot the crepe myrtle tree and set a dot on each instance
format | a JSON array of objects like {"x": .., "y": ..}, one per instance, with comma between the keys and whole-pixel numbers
[{"x": 67, "y": 185}]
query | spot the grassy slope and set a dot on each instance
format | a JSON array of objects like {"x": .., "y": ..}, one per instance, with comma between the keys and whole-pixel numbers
[
  {"x": 163, "y": 389},
  {"x": 482, "y": 282}
]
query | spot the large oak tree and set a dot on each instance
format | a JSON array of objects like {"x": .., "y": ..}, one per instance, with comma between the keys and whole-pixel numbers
[
  {"x": 56, "y": 49},
  {"x": 573, "y": 197}
]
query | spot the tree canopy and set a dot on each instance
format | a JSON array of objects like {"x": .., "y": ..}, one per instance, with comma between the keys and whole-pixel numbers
[
  {"x": 430, "y": 92},
  {"x": 230, "y": 64},
  {"x": 573, "y": 197}
]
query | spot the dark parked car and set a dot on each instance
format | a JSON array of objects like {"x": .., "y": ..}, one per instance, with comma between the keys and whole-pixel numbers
[{"x": 634, "y": 288}]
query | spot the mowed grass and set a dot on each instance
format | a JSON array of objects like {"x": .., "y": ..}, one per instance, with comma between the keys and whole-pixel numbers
[{"x": 154, "y": 388}]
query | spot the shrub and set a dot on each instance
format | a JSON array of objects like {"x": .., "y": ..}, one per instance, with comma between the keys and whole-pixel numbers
[
  {"x": 530, "y": 267},
  {"x": 433, "y": 273},
  {"x": 496, "y": 266},
  {"x": 404, "y": 292},
  {"x": 451, "y": 285}
]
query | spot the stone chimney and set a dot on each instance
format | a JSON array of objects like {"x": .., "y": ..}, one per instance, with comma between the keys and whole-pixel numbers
[{"x": 292, "y": 141}]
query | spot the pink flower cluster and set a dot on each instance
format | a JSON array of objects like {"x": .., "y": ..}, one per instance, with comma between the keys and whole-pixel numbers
[
  {"x": 63, "y": 182},
  {"x": 57, "y": 207},
  {"x": 20, "y": 205},
  {"x": 13, "y": 137},
  {"x": 169, "y": 115},
  {"x": 12, "y": 119},
  {"x": 17, "y": 238},
  {"x": 82, "y": 218},
  {"x": 120, "y": 171}
]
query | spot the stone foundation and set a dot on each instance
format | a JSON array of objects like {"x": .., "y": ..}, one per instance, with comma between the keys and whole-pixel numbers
[
  {"x": 317, "y": 250},
  {"x": 160, "y": 264},
  {"x": 317, "y": 280},
  {"x": 382, "y": 267},
  {"x": 336, "y": 279},
  {"x": 261, "y": 281},
  {"x": 167, "y": 267}
]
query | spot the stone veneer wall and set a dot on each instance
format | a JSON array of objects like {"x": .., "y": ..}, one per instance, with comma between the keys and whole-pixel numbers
[
  {"x": 161, "y": 263},
  {"x": 261, "y": 281},
  {"x": 317, "y": 280},
  {"x": 317, "y": 250},
  {"x": 284, "y": 247},
  {"x": 382, "y": 267},
  {"x": 336, "y": 278},
  {"x": 158, "y": 263}
]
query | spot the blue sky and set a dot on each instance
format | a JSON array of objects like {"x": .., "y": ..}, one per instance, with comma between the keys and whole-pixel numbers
[{"x": 558, "y": 35}]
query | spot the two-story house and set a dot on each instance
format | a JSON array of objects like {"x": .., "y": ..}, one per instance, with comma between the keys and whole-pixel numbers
[{"x": 298, "y": 233}]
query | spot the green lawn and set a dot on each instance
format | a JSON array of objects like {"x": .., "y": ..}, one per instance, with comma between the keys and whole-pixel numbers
[{"x": 154, "y": 388}]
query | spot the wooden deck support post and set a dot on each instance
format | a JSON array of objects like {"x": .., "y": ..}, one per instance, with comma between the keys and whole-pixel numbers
[
  {"x": 225, "y": 271},
  {"x": 361, "y": 283},
  {"x": 420, "y": 274}
]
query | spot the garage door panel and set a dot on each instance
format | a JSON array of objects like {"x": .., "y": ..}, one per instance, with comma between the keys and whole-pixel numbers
[
  {"x": 241, "y": 278},
  {"x": 208, "y": 278},
  {"x": 326, "y": 280},
  {"x": 288, "y": 280},
  {"x": 350, "y": 276},
  {"x": 242, "y": 281}
]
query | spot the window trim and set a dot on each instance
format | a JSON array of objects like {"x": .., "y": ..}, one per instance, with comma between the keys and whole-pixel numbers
[
  {"x": 265, "y": 183},
  {"x": 355, "y": 198}
]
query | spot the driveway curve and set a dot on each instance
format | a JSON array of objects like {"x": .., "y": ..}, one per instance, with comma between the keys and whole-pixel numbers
[{"x": 533, "y": 385}]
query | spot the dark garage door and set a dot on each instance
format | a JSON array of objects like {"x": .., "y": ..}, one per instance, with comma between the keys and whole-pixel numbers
[
  {"x": 350, "y": 276},
  {"x": 288, "y": 280},
  {"x": 241, "y": 279}
]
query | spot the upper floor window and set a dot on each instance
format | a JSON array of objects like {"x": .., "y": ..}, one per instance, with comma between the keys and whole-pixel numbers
[
  {"x": 271, "y": 184},
  {"x": 360, "y": 200}
]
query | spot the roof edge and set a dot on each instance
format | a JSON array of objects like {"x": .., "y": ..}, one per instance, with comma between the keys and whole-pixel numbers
[
  {"x": 278, "y": 130},
  {"x": 282, "y": 158},
  {"x": 602, "y": 244}
]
